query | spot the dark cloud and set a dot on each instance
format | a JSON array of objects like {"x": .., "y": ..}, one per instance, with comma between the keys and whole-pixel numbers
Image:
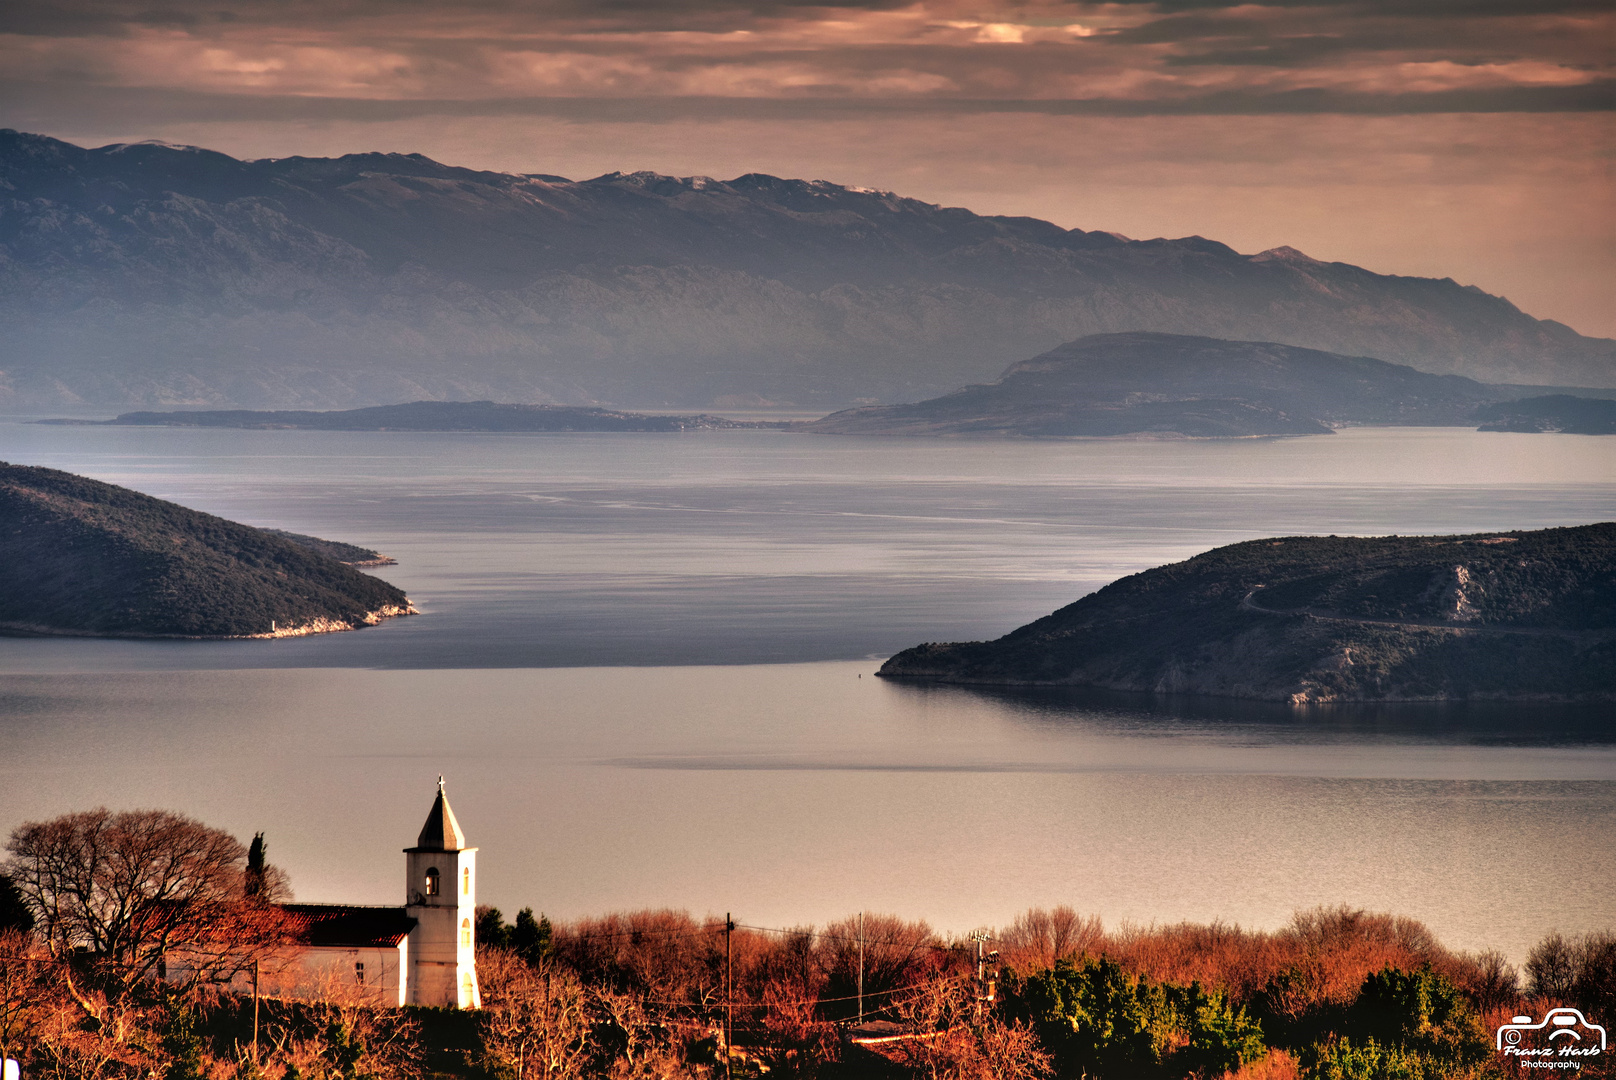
[
  {"x": 46, "y": 17},
  {"x": 28, "y": 107},
  {"x": 743, "y": 57},
  {"x": 1429, "y": 9}
]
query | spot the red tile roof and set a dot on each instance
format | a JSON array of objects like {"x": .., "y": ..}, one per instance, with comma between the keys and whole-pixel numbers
[{"x": 348, "y": 926}]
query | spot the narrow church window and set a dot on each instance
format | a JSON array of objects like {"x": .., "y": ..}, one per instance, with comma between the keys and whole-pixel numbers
[
  {"x": 465, "y": 881},
  {"x": 432, "y": 882},
  {"x": 359, "y": 972},
  {"x": 465, "y": 931}
]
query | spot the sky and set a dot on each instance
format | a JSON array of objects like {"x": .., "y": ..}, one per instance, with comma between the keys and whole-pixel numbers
[{"x": 1470, "y": 139}]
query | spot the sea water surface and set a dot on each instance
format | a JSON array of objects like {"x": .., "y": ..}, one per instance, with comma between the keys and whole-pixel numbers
[{"x": 645, "y": 665}]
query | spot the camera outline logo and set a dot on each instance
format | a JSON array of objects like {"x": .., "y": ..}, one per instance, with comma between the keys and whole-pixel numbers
[{"x": 1563, "y": 1021}]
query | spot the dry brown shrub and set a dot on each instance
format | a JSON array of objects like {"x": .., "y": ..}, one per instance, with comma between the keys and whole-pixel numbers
[
  {"x": 785, "y": 980},
  {"x": 1325, "y": 954},
  {"x": 534, "y": 1021},
  {"x": 951, "y": 1043},
  {"x": 1038, "y": 938},
  {"x": 896, "y": 954},
  {"x": 1275, "y": 1065},
  {"x": 25, "y": 993},
  {"x": 1217, "y": 954},
  {"x": 114, "y": 1043},
  {"x": 660, "y": 954},
  {"x": 1490, "y": 981}
]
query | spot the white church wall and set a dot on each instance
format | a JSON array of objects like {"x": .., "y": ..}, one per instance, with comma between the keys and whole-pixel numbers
[
  {"x": 374, "y": 975},
  {"x": 360, "y": 975}
]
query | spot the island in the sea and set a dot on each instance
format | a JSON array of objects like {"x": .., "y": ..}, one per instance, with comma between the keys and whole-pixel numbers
[
  {"x": 1305, "y": 619},
  {"x": 489, "y": 416},
  {"x": 1132, "y": 385},
  {"x": 82, "y": 557},
  {"x": 1143, "y": 385}
]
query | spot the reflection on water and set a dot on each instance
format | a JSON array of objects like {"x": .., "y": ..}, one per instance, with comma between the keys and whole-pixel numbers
[
  {"x": 557, "y": 572},
  {"x": 807, "y": 791},
  {"x": 1456, "y": 723},
  {"x": 763, "y": 547}
]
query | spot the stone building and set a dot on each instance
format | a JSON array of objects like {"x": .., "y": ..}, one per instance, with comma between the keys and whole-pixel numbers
[{"x": 423, "y": 953}]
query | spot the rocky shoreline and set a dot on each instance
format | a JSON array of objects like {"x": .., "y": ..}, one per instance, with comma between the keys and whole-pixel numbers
[{"x": 313, "y": 626}]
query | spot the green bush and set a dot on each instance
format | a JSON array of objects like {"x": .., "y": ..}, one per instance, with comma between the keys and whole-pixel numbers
[
  {"x": 1422, "y": 1013},
  {"x": 1342, "y": 1059},
  {"x": 1099, "y": 1021}
]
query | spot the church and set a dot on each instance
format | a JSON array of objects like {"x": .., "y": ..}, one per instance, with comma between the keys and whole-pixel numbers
[{"x": 422, "y": 953}]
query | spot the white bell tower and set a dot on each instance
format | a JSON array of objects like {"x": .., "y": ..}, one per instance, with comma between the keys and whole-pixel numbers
[{"x": 440, "y": 894}]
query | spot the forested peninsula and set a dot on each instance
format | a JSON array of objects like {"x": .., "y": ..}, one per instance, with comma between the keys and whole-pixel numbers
[
  {"x": 81, "y": 557},
  {"x": 1306, "y": 619}
]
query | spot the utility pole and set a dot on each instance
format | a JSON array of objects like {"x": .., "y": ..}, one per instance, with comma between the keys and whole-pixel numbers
[
  {"x": 255, "y": 1012},
  {"x": 979, "y": 937},
  {"x": 729, "y": 996},
  {"x": 861, "y": 969}
]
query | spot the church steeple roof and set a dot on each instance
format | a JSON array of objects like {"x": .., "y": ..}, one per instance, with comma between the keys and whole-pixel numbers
[{"x": 441, "y": 831}]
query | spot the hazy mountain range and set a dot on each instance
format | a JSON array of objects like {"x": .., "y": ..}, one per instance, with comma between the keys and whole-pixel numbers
[{"x": 148, "y": 274}]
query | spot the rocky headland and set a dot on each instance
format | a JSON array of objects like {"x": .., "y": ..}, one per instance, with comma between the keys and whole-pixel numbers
[
  {"x": 84, "y": 558},
  {"x": 1308, "y": 619},
  {"x": 1551, "y": 412}
]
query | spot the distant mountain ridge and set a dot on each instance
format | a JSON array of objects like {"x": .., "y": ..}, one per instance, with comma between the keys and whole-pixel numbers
[
  {"x": 152, "y": 275},
  {"x": 1172, "y": 384}
]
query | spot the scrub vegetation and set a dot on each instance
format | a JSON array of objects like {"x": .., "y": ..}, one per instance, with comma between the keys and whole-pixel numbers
[
  {"x": 90, "y": 902},
  {"x": 1312, "y": 619},
  {"x": 78, "y": 556}
]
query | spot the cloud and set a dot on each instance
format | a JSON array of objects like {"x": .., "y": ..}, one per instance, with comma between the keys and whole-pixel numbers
[{"x": 1126, "y": 57}]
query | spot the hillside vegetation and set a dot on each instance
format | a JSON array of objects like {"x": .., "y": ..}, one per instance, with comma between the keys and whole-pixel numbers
[
  {"x": 1314, "y": 619},
  {"x": 350, "y": 554},
  {"x": 1551, "y": 412},
  {"x": 78, "y": 556}
]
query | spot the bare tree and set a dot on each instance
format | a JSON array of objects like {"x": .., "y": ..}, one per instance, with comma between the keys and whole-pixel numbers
[
  {"x": 893, "y": 954},
  {"x": 1038, "y": 938},
  {"x": 533, "y": 1019},
  {"x": 946, "y": 1042},
  {"x": 133, "y": 891}
]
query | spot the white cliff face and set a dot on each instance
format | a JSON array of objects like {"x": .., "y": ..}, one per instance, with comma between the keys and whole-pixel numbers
[
  {"x": 1459, "y": 602},
  {"x": 323, "y": 625}
]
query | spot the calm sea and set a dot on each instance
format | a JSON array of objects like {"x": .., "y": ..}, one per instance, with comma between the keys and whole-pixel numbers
[{"x": 645, "y": 667}]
